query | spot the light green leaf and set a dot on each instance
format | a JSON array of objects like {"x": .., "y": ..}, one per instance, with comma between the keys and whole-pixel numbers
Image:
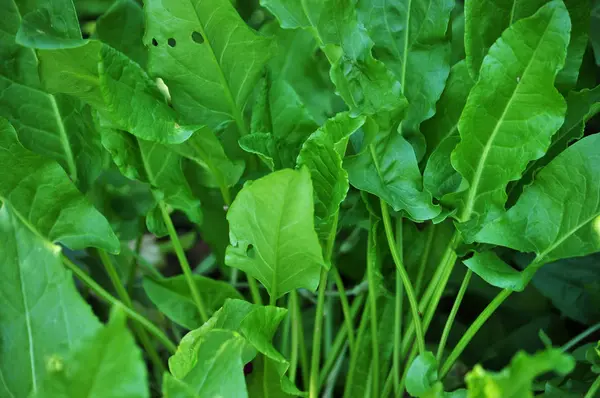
[
  {"x": 330, "y": 180},
  {"x": 581, "y": 106},
  {"x": 517, "y": 379},
  {"x": 217, "y": 372},
  {"x": 173, "y": 298},
  {"x": 155, "y": 164},
  {"x": 262, "y": 145},
  {"x": 208, "y": 57},
  {"x": 558, "y": 215},
  {"x": 116, "y": 86},
  {"x": 272, "y": 235},
  {"x": 205, "y": 149},
  {"x": 47, "y": 24},
  {"x": 107, "y": 364},
  {"x": 389, "y": 170},
  {"x": 496, "y": 272},
  {"x": 422, "y": 374},
  {"x": 510, "y": 114},
  {"x": 41, "y": 195},
  {"x": 122, "y": 27},
  {"x": 43, "y": 314},
  {"x": 410, "y": 39},
  {"x": 58, "y": 127}
]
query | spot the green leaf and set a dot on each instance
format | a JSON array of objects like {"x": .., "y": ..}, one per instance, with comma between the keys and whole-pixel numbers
[
  {"x": 581, "y": 106},
  {"x": 155, "y": 164},
  {"x": 517, "y": 379},
  {"x": 263, "y": 145},
  {"x": 511, "y": 113},
  {"x": 43, "y": 314},
  {"x": 108, "y": 81},
  {"x": 47, "y": 24},
  {"x": 558, "y": 215},
  {"x": 280, "y": 248},
  {"x": 422, "y": 374},
  {"x": 63, "y": 122},
  {"x": 218, "y": 370},
  {"x": 486, "y": 20},
  {"x": 205, "y": 149},
  {"x": 106, "y": 364},
  {"x": 389, "y": 170},
  {"x": 207, "y": 55},
  {"x": 122, "y": 27},
  {"x": 330, "y": 180},
  {"x": 410, "y": 39},
  {"x": 496, "y": 272},
  {"x": 173, "y": 298},
  {"x": 42, "y": 196}
]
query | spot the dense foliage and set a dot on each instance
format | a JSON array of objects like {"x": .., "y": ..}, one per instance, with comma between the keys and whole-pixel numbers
[{"x": 357, "y": 198}]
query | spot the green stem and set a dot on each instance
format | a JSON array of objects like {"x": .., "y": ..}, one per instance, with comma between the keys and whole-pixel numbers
[
  {"x": 410, "y": 293},
  {"x": 371, "y": 268},
  {"x": 254, "y": 290},
  {"x": 398, "y": 314},
  {"x": 577, "y": 339},
  {"x": 472, "y": 330},
  {"x": 593, "y": 389},
  {"x": 424, "y": 259},
  {"x": 328, "y": 329},
  {"x": 345, "y": 309},
  {"x": 362, "y": 329},
  {"x": 183, "y": 262},
  {"x": 102, "y": 293},
  {"x": 340, "y": 339},
  {"x": 314, "y": 384},
  {"x": 452, "y": 316},
  {"x": 134, "y": 264},
  {"x": 304, "y": 361},
  {"x": 292, "y": 308}
]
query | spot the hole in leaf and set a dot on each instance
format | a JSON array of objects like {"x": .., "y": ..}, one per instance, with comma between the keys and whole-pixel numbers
[
  {"x": 154, "y": 42},
  {"x": 197, "y": 37},
  {"x": 171, "y": 42},
  {"x": 250, "y": 251}
]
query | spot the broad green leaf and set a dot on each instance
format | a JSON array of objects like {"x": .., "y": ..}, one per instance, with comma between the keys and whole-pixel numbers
[
  {"x": 173, "y": 298},
  {"x": 43, "y": 314},
  {"x": 517, "y": 379},
  {"x": 40, "y": 193},
  {"x": 272, "y": 235},
  {"x": 330, "y": 180},
  {"x": 485, "y": 20},
  {"x": 122, "y": 27},
  {"x": 410, "y": 39},
  {"x": 511, "y": 113},
  {"x": 439, "y": 177},
  {"x": 205, "y": 149},
  {"x": 52, "y": 125},
  {"x": 496, "y": 272},
  {"x": 581, "y": 106},
  {"x": 457, "y": 42},
  {"x": 422, "y": 374},
  {"x": 208, "y": 57},
  {"x": 389, "y": 170},
  {"x": 156, "y": 164},
  {"x": 46, "y": 24},
  {"x": 558, "y": 215},
  {"x": 114, "y": 85},
  {"x": 262, "y": 145},
  {"x": 107, "y": 364},
  {"x": 218, "y": 370}
]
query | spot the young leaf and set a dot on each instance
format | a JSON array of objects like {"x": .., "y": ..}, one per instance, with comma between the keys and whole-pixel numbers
[
  {"x": 485, "y": 20},
  {"x": 116, "y": 86},
  {"x": 106, "y": 364},
  {"x": 511, "y": 113},
  {"x": 173, "y": 298},
  {"x": 43, "y": 314},
  {"x": 410, "y": 39},
  {"x": 422, "y": 374},
  {"x": 558, "y": 215},
  {"x": 517, "y": 379},
  {"x": 55, "y": 126},
  {"x": 330, "y": 180},
  {"x": 40, "y": 193},
  {"x": 218, "y": 370},
  {"x": 208, "y": 56},
  {"x": 389, "y": 170},
  {"x": 280, "y": 248}
]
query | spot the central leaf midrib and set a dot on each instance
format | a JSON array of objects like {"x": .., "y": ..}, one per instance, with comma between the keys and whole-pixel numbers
[
  {"x": 482, "y": 160},
  {"x": 64, "y": 139},
  {"x": 236, "y": 112}
]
